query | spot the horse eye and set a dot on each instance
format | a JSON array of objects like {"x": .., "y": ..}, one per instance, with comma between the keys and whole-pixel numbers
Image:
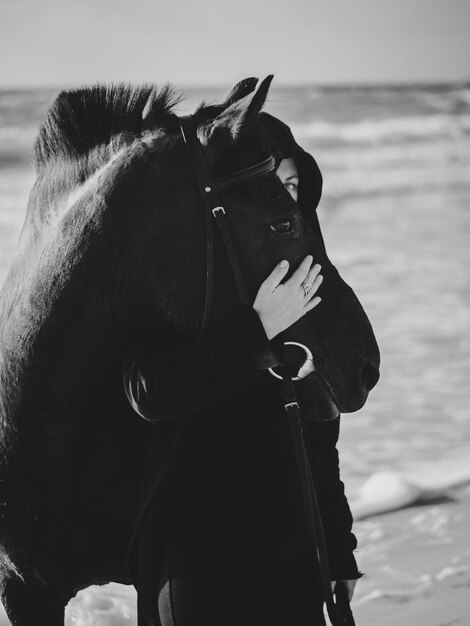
[{"x": 282, "y": 227}]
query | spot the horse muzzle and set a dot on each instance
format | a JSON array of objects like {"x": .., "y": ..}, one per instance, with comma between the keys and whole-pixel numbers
[{"x": 347, "y": 386}]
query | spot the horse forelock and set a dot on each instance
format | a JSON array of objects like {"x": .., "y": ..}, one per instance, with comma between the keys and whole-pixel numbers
[{"x": 81, "y": 120}]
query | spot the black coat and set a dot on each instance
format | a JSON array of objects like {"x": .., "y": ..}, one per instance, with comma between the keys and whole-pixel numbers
[{"x": 221, "y": 454}]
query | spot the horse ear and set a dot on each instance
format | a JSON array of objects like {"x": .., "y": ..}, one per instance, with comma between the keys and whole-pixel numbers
[
  {"x": 241, "y": 89},
  {"x": 237, "y": 119}
]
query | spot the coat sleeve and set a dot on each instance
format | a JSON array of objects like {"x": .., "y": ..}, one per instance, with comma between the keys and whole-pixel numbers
[
  {"x": 185, "y": 378},
  {"x": 334, "y": 508}
]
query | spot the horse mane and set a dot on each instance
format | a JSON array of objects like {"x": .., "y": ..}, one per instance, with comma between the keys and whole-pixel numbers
[{"x": 80, "y": 120}]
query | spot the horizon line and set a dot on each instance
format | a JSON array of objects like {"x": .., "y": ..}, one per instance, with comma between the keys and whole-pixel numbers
[{"x": 339, "y": 84}]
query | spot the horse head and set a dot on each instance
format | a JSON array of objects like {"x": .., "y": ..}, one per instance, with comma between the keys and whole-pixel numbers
[{"x": 266, "y": 225}]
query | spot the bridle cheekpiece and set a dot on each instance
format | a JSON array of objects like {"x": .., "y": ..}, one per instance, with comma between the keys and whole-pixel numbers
[{"x": 214, "y": 208}]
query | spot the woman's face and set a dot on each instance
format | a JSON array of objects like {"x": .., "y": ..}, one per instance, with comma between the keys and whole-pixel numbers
[{"x": 289, "y": 176}]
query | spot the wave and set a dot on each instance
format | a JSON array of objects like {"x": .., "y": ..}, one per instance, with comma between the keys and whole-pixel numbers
[
  {"x": 18, "y": 134},
  {"x": 390, "y": 182},
  {"x": 387, "y": 491},
  {"x": 349, "y": 169},
  {"x": 390, "y": 129},
  {"x": 440, "y": 152}
]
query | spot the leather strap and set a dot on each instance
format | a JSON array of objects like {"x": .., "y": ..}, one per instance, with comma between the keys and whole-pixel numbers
[
  {"x": 221, "y": 219},
  {"x": 201, "y": 171},
  {"x": 241, "y": 176},
  {"x": 213, "y": 208},
  {"x": 315, "y": 534}
]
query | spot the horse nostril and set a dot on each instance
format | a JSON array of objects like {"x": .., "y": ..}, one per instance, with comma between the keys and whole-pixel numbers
[{"x": 370, "y": 375}]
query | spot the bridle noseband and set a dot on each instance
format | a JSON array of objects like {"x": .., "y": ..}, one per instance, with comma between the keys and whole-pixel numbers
[{"x": 214, "y": 208}]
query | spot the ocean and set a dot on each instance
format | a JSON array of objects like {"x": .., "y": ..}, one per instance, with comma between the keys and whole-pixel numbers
[{"x": 396, "y": 221}]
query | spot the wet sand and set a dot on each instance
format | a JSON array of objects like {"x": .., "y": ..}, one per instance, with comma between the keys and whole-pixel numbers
[{"x": 417, "y": 565}]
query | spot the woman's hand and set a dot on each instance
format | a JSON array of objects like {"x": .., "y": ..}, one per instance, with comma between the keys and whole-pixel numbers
[
  {"x": 281, "y": 305},
  {"x": 350, "y": 585}
]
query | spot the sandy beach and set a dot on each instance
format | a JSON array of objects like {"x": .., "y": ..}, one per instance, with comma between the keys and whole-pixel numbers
[{"x": 417, "y": 565}]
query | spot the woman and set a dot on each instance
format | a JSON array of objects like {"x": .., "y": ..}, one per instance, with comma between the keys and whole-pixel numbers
[{"x": 221, "y": 537}]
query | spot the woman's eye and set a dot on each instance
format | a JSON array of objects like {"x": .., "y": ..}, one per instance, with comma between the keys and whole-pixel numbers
[
  {"x": 290, "y": 186},
  {"x": 282, "y": 227}
]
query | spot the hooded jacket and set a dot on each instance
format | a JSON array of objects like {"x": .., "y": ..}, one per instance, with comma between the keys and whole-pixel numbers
[
  {"x": 284, "y": 146},
  {"x": 220, "y": 446}
]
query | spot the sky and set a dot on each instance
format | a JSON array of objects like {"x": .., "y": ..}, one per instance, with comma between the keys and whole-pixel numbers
[{"x": 204, "y": 42}]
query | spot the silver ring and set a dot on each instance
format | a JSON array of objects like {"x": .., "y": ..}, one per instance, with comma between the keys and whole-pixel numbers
[
  {"x": 307, "y": 289},
  {"x": 306, "y": 365}
]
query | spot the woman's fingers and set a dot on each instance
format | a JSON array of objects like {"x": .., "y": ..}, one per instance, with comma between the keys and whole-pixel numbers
[
  {"x": 301, "y": 272},
  {"x": 350, "y": 586},
  {"x": 281, "y": 305},
  {"x": 311, "y": 304},
  {"x": 312, "y": 274},
  {"x": 278, "y": 273},
  {"x": 315, "y": 285},
  {"x": 305, "y": 274}
]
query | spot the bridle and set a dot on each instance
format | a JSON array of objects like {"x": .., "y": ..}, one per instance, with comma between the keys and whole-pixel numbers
[
  {"x": 209, "y": 189},
  {"x": 214, "y": 209}
]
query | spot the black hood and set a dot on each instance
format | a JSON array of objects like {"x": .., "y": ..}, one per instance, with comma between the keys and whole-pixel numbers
[{"x": 284, "y": 146}]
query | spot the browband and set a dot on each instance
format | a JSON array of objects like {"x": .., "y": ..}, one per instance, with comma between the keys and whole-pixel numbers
[
  {"x": 206, "y": 185},
  {"x": 241, "y": 176}
]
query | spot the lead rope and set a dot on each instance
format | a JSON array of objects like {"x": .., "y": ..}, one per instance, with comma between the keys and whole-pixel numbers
[{"x": 315, "y": 535}]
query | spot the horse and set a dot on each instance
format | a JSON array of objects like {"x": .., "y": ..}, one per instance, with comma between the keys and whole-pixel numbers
[{"x": 111, "y": 255}]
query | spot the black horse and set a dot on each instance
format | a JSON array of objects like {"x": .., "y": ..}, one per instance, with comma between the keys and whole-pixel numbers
[{"x": 112, "y": 255}]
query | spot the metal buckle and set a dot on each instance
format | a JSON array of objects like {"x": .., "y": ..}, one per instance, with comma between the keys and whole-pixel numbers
[
  {"x": 218, "y": 208},
  {"x": 292, "y": 404},
  {"x": 305, "y": 368}
]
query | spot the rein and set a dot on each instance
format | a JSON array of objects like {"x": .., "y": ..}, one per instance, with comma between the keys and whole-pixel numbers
[
  {"x": 214, "y": 209},
  {"x": 340, "y": 613}
]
